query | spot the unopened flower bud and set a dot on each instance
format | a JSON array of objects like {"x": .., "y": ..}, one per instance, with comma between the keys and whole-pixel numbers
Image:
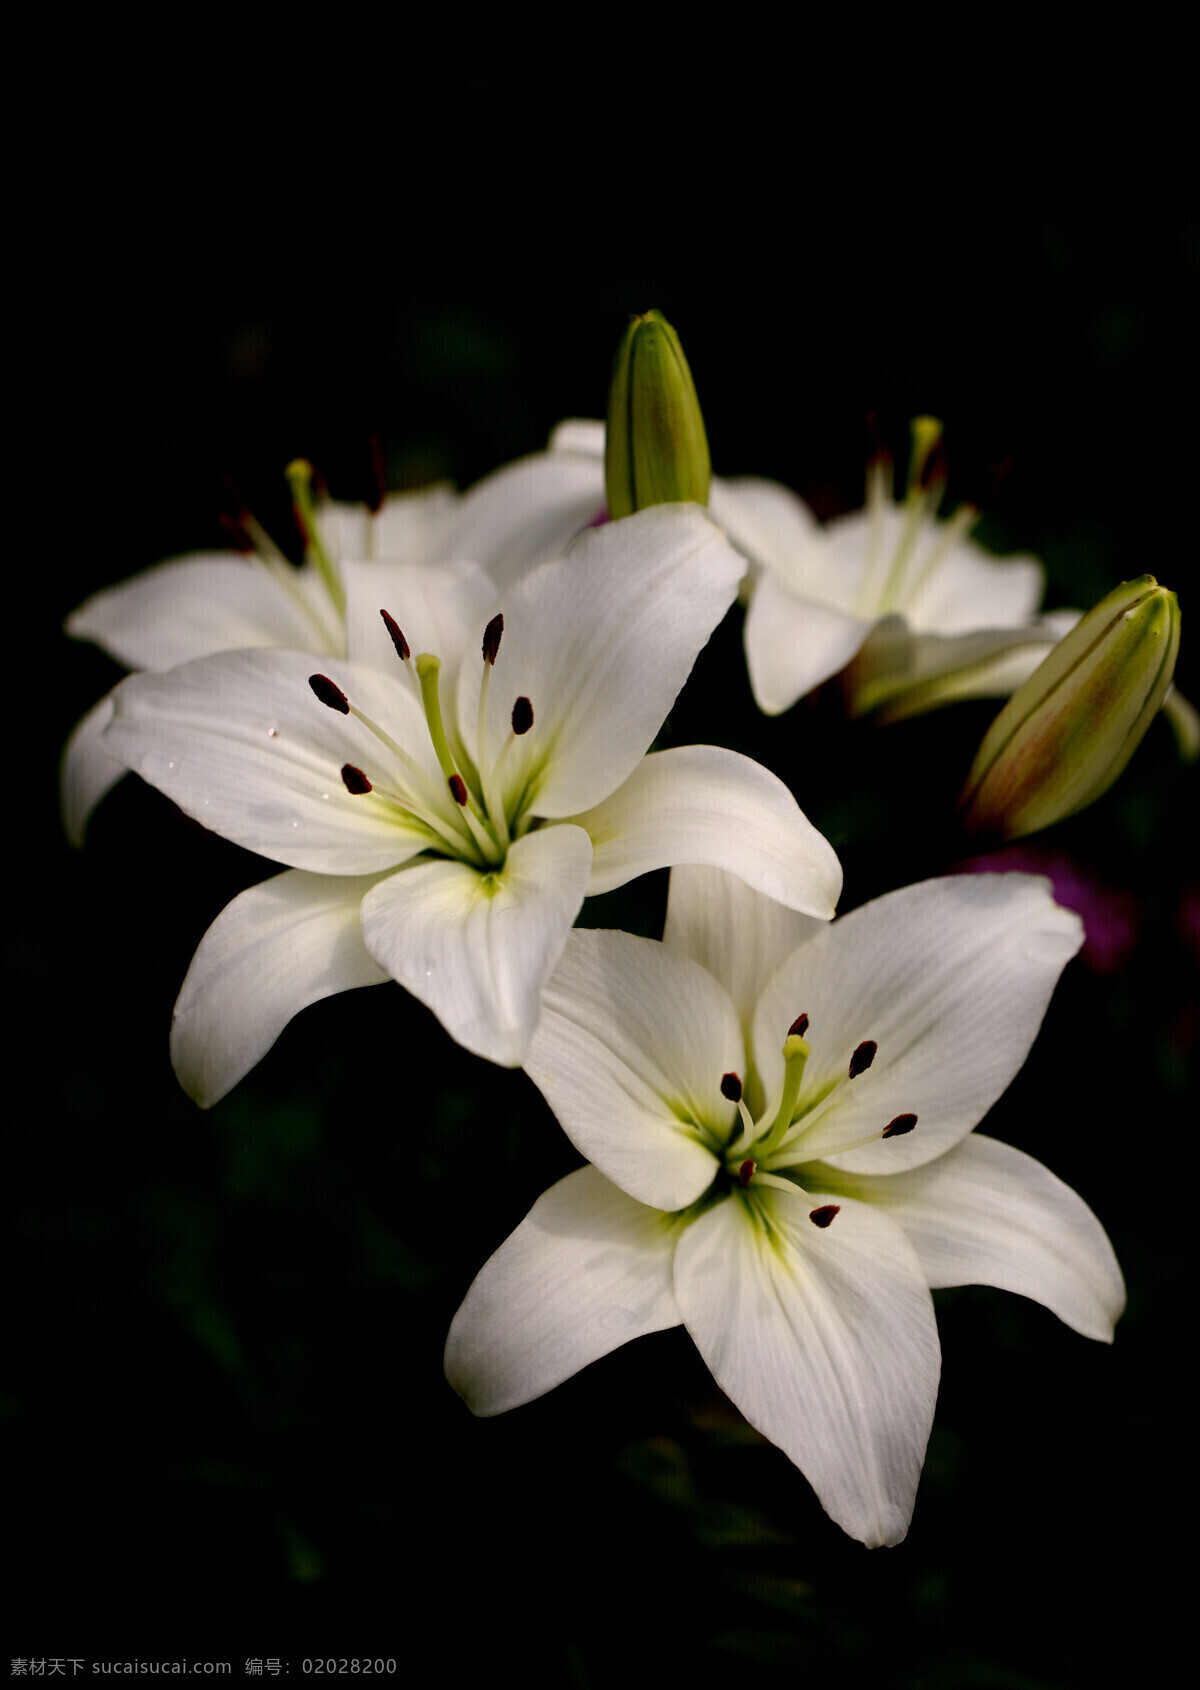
[
  {"x": 656, "y": 450},
  {"x": 1067, "y": 732}
]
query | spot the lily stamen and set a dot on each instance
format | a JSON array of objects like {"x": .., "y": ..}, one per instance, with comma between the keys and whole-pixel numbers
[
  {"x": 894, "y": 1129},
  {"x": 359, "y": 785},
  {"x": 424, "y": 801},
  {"x": 403, "y": 650},
  {"x": 300, "y": 478}
]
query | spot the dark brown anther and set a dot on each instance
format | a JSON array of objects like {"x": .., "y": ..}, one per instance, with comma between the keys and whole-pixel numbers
[
  {"x": 746, "y": 1171},
  {"x": 403, "y": 649},
  {"x": 902, "y": 1124},
  {"x": 799, "y": 1027},
  {"x": 235, "y": 527},
  {"x": 522, "y": 716},
  {"x": 822, "y": 1216},
  {"x": 491, "y": 638},
  {"x": 329, "y": 694},
  {"x": 863, "y": 1058},
  {"x": 458, "y": 787},
  {"x": 354, "y": 779},
  {"x": 731, "y": 1087}
]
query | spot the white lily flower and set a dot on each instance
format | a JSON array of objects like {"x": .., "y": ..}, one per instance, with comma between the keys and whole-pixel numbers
[
  {"x": 908, "y": 609},
  {"x": 468, "y": 813},
  {"x": 779, "y": 1117},
  {"x": 206, "y": 602}
]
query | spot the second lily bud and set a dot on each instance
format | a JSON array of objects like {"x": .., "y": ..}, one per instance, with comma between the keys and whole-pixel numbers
[
  {"x": 1068, "y": 731},
  {"x": 656, "y": 450}
]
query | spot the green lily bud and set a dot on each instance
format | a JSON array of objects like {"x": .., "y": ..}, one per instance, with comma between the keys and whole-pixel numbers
[
  {"x": 656, "y": 450},
  {"x": 1067, "y": 732}
]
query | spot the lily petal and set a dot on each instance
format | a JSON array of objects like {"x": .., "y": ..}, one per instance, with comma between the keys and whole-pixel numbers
[
  {"x": 278, "y": 947},
  {"x": 88, "y": 770},
  {"x": 702, "y": 804},
  {"x": 477, "y": 948},
  {"x": 526, "y": 513},
  {"x": 206, "y": 602},
  {"x": 633, "y": 1044},
  {"x": 826, "y": 1341},
  {"x": 734, "y": 932},
  {"x": 600, "y": 642},
  {"x": 408, "y": 527},
  {"x": 950, "y": 978},
  {"x": 587, "y": 1270},
  {"x": 239, "y": 742},
  {"x": 793, "y": 644},
  {"x": 986, "y": 1214}
]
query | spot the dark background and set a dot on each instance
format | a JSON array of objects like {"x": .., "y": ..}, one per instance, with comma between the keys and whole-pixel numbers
[{"x": 225, "y": 1422}]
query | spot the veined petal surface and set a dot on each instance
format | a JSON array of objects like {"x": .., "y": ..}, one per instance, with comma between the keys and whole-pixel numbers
[
  {"x": 207, "y": 602},
  {"x": 825, "y": 1339},
  {"x": 951, "y": 978},
  {"x": 278, "y": 947},
  {"x": 703, "y": 804},
  {"x": 525, "y": 514},
  {"x": 630, "y": 1054},
  {"x": 478, "y": 948},
  {"x": 734, "y": 932},
  {"x": 986, "y": 1214},
  {"x": 240, "y": 743},
  {"x": 600, "y": 642},
  {"x": 587, "y": 1270}
]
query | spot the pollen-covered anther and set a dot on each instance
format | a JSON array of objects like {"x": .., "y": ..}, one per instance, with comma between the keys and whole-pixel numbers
[
  {"x": 746, "y": 1171},
  {"x": 799, "y": 1026},
  {"x": 491, "y": 639},
  {"x": 403, "y": 649},
  {"x": 522, "y": 716},
  {"x": 821, "y": 1217},
  {"x": 863, "y": 1057},
  {"x": 731, "y": 1087},
  {"x": 354, "y": 780},
  {"x": 901, "y": 1124},
  {"x": 329, "y": 694},
  {"x": 458, "y": 788}
]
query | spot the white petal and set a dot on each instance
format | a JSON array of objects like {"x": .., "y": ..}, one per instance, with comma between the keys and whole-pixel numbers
[
  {"x": 986, "y": 1214},
  {"x": 587, "y": 1270},
  {"x": 825, "y": 1339},
  {"x": 633, "y": 1044},
  {"x": 240, "y": 743},
  {"x": 280, "y": 946},
  {"x": 793, "y": 644},
  {"x": 968, "y": 588},
  {"x": 951, "y": 978},
  {"x": 600, "y": 642},
  {"x": 774, "y": 528},
  {"x": 525, "y": 513},
  {"x": 88, "y": 770},
  {"x": 702, "y": 804},
  {"x": 206, "y": 602},
  {"x": 478, "y": 948},
  {"x": 734, "y": 932},
  {"x": 407, "y": 528},
  {"x": 579, "y": 434}
]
